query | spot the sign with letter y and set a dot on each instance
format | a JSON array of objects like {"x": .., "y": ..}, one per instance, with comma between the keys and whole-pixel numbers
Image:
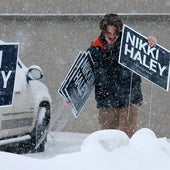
[{"x": 8, "y": 62}]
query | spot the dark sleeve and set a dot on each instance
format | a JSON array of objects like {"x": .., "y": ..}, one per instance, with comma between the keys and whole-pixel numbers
[
  {"x": 98, "y": 65},
  {"x": 92, "y": 51}
]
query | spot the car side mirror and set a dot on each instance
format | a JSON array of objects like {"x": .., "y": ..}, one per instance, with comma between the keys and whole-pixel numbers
[{"x": 34, "y": 73}]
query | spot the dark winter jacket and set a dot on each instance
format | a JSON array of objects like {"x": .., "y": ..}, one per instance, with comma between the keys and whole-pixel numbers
[{"x": 115, "y": 85}]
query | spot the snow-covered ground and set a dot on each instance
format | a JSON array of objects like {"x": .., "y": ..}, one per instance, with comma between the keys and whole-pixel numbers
[
  {"x": 60, "y": 143},
  {"x": 101, "y": 150}
]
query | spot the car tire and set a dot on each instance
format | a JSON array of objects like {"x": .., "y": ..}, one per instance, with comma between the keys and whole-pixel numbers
[{"x": 40, "y": 130}]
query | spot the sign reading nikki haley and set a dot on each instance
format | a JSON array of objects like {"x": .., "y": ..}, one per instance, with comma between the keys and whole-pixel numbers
[
  {"x": 152, "y": 63},
  {"x": 79, "y": 82}
]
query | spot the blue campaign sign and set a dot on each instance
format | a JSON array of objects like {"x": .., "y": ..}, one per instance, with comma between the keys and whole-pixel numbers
[
  {"x": 62, "y": 89},
  {"x": 152, "y": 63},
  {"x": 8, "y": 61},
  {"x": 79, "y": 82}
]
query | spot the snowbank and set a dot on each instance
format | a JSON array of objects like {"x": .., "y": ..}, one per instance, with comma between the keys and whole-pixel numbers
[{"x": 101, "y": 150}]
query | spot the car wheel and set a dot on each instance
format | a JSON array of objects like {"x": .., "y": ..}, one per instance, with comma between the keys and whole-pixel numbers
[{"x": 39, "y": 133}]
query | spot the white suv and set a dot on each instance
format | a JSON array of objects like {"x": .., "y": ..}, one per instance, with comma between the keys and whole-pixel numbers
[{"x": 26, "y": 122}]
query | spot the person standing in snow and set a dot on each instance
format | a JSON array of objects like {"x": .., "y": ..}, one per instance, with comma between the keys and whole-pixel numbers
[{"x": 117, "y": 89}]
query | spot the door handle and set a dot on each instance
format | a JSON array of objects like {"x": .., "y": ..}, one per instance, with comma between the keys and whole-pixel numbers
[{"x": 17, "y": 92}]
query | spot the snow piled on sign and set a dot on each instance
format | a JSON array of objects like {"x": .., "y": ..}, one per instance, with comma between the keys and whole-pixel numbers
[{"x": 101, "y": 150}]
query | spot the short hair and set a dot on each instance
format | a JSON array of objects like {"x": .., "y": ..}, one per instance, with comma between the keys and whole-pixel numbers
[{"x": 111, "y": 19}]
